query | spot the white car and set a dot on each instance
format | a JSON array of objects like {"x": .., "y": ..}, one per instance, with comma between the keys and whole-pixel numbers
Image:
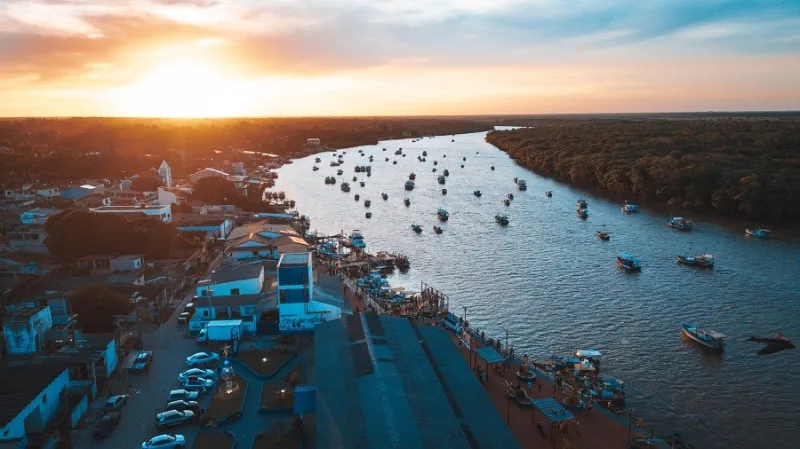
[
  {"x": 204, "y": 373},
  {"x": 202, "y": 358},
  {"x": 198, "y": 384},
  {"x": 174, "y": 418},
  {"x": 165, "y": 441},
  {"x": 182, "y": 395}
]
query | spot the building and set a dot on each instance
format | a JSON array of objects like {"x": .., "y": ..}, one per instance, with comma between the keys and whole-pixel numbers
[
  {"x": 38, "y": 215},
  {"x": 384, "y": 381},
  {"x": 28, "y": 239},
  {"x": 233, "y": 280},
  {"x": 262, "y": 228},
  {"x": 162, "y": 212},
  {"x": 250, "y": 247},
  {"x": 168, "y": 195},
  {"x": 110, "y": 263},
  {"x": 18, "y": 262},
  {"x": 81, "y": 192},
  {"x": 24, "y": 329},
  {"x": 287, "y": 244},
  {"x": 297, "y": 309},
  {"x": 30, "y": 191},
  {"x": 244, "y": 307},
  {"x": 165, "y": 173},
  {"x": 206, "y": 173},
  {"x": 218, "y": 226}
]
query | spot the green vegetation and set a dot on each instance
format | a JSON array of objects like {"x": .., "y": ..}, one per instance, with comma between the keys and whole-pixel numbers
[
  {"x": 72, "y": 234},
  {"x": 96, "y": 304},
  {"x": 145, "y": 184},
  {"x": 732, "y": 166},
  {"x": 217, "y": 190}
]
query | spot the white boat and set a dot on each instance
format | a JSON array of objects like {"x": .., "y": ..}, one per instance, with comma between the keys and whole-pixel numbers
[
  {"x": 757, "y": 232},
  {"x": 630, "y": 208},
  {"x": 706, "y": 337}
]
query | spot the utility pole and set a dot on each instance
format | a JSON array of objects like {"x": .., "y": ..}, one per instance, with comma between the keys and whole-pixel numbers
[
  {"x": 630, "y": 424},
  {"x": 465, "y": 317}
]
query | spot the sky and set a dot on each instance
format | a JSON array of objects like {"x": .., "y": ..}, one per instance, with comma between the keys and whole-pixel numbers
[{"x": 212, "y": 58}]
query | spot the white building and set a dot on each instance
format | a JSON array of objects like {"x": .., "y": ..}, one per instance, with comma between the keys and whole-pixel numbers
[
  {"x": 233, "y": 280},
  {"x": 297, "y": 309},
  {"x": 206, "y": 173},
  {"x": 31, "y": 191},
  {"x": 163, "y": 212},
  {"x": 165, "y": 172}
]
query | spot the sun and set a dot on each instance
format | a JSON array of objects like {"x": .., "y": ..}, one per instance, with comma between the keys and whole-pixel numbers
[{"x": 182, "y": 89}]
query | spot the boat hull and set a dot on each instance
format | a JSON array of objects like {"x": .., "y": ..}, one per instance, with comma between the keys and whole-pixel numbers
[
  {"x": 713, "y": 345},
  {"x": 692, "y": 262}
]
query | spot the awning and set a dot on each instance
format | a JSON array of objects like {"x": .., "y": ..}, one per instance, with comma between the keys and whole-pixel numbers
[
  {"x": 489, "y": 355},
  {"x": 553, "y": 410}
]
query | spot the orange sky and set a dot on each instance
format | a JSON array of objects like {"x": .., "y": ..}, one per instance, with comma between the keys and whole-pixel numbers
[{"x": 394, "y": 57}]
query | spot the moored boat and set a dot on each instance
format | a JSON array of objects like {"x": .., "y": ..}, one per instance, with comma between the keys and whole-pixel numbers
[
  {"x": 757, "y": 232},
  {"x": 384, "y": 196},
  {"x": 627, "y": 262},
  {"x": 334, "y": 164},
  {"x": 549, "y": 194},
  {"x": 507, "y": 202},
  {"x": 442, "y": 214},
  {"x": 317, "y": 160},
  {"x": 603, "y": 235},
  {"x": 444, "y": 191},
  {"x": 582, "y": 204},
  {"x": 399, "y": 152},
  {"x": 501, "y": 219},
  {"x": 424, "y": 153},
  {"x": 446, "y": 172},
  {"x": 522, "y": 185},
  {"x": 407, "y": 202},
  {"x": 409, "y": 185},
  {"x": 698, "y": 260},
  {"x": 680, "y": 223},
  {"x": 355, "y": 178},
  {"x": 345, "y": 187},
  {"x": 357, "y": 239},
  {"x": 437, "y": 229},
  {"x": 357, "y": 197},
  {"x": 582, "y": 213},
  {"x": 416, "y": 228},
  {"x": 492, "y": 167},
  {"x": 477, "y": 193},
  {"x": 361, "y": 183},
  {"x": 706, "y": 337},
  {"x": 630, "y": 208},
  {"x": 368, "y": 215},
  {"x": 315, "y": 168},
  {"x": 441, "y": 179},
  {"x": 510, "y": 196},
  {"x": 435, "y": 162},
  {"x": 412, "y": 176},
  {"x": 367, "y": 203},
  {"x": 394, "y": 162}
]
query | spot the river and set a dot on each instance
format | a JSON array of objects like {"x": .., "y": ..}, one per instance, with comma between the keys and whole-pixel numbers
[{"x": 548, "y": 281}]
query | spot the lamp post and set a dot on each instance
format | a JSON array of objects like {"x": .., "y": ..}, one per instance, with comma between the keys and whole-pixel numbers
[
  {"x": 465, "y": 317},
  {"x": 630, "y": 425}
]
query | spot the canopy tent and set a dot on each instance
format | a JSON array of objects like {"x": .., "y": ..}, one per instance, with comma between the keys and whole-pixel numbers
[
  {"x": 489, "y": 355},
  {"x": 553, "y": 410}
]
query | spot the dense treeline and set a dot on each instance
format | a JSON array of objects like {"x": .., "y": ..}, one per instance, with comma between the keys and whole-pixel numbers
[
  {"x": 742, "y": 166},
  {"x": 72, "y": 234},
  {"x": 216, "y": 190},
  {"x": 58, "y": 149}
]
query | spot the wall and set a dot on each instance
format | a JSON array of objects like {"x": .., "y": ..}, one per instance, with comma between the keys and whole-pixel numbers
[
  {"x": 77, "y": 413},
  {"x": 296, "y": 278},
  {"x": 242, "y": 253},
  {"x": 28, "y": 240},
  {"x": 303, "y": 317},
  {"x": 166, "y": 197},
  {"x": 111, "y": 358},
  {"x": 21, "y": 336},
  {"x": 126, "y": 264},
  {"x": 40, "y": 410}
]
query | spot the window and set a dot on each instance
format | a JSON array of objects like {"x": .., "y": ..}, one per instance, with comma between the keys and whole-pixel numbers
[
  {"x": 205, "y": 312},
  {"x": 234, "y": 291},
  {"x": 255, "y": 253}
]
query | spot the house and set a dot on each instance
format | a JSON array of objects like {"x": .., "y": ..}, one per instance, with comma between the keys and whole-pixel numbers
[
  {"x": 38, "y": 215},
  {"x": 24, "y": 329},
  {"x": 244, "y": 307},
  {"x": 14, "y": 263},
  {"x": 168, "y": 195},
  {"x": 109, "y": 263},
  {"x": 252, "y": 246},
  {"x": 218, "y": 226},
  {"x": 31, "y": 191},
  {"x": 206, "y": 173},
  {"x": 297, "y": 309},
  {"x": 162, "y": 212},
  {"x": 286, "y": 244},
  {"x": 262, "y": 228},
  {"x": 233, "y": 280},
  {"x": 28, "y": 239},
  {"x": 81, "y": 192},
  {"x": 165, "y": 173}
]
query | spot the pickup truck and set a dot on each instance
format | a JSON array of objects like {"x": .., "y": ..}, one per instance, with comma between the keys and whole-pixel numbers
[{"x": 106, "y": 424}]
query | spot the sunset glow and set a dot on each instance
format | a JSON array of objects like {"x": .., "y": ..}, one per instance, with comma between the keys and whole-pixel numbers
[{"x": 214, "y": 58}]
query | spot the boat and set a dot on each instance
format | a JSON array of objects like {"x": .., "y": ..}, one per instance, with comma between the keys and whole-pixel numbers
[
  {"x": 437, "y": 229},
  {"x": 549, "y": 194},
  {"x": 385, "y": 196},
  {"x": 462, "y": 165},
  {"x": 339, "y": 172},
  {"x": 492, "y": 167},
  {"x": 394, "y": 162},
  {"x": 465, "y": 158},
  {"x": 446, "y": 172},
  {"x": 317, "y": 160},
  {"x": 357, "y": 239},
  {"x": 412, "y": 176},
  {"x": 435, "y": 163},
  {"x": 516, "y": 180},
  {"x": 334, "y": 164},
  {"x": 510, "y": 196},
  {"x": 330, "y": 180},
  {"x": 407, "y": 202},
  {"x": 409, "y": 185},
  {"x": 680, "y": 223},
  {"x": 434, "y": 169},
  {"x": 399, "y": 152},
  {"x": 384, "y": 149},
  {"x": 477, "y": 193},
  {"x": 367, "y": 203},
  {"x": 628, "y": 263},
  {"x": 452, "y": 140},
  {"x": 355, "y": 178},
  {"x": 444, "y": 191},
  {"x": 507, "y": 202},
  {"x": 603, "y": 235},
  {"x": 358, "y": 169},
  {"x": 416, "y": 228},
  {"x": 424, "y": 153},
  {"x": 345, "y": 187},
  {"x": 387, "y": 159},
  {"x": 698, "y": 260},
  {"x": 582, "y": 204},
  {"x": 443, "y": 214},
  {"x": 361, "y": 183},
  {"x": 757, "y": 232},
  {"x": 369, "y": 174},
  {"x": 368, "y": 215},
  {"x": 442, "y": 179},
  {"x": 706, "y": 337},
  {"x": 593, "y": 356},
  {"x": 630, "y": 208},
  {"x": 582, "y": 213},
  {"x": 315, "y": 168},
  {"x": 501, "y": 219},
  {"x": 357, "y": 197},
  {"x": 522, "y": 185}
]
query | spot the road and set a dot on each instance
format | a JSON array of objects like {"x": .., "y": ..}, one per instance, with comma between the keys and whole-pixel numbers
[{"x": 148, "y": 393}]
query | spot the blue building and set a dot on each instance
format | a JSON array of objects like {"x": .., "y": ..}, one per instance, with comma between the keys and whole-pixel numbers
[
  {"x": 387, "y": 382},
  {"x": 297, "y": 309}
]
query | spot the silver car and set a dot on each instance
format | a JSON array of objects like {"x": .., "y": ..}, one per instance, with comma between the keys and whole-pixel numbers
[
  {"x": 199, "y": 384},
  {"x": 204, "y": 373},
  {"x": 182, "y": 395},
  {"x": 173, "y": 418},
  {"x": 165, "y": 441}
]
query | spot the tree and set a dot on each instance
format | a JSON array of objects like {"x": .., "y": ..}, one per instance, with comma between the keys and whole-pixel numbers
[
  {"x": 96, "y": 304},
  {"x": 146, "y": 184},
  {"x": 216, "y": 190}
]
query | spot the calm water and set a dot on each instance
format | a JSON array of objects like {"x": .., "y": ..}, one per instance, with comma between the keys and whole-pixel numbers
[{"x": 555, "y": 287}]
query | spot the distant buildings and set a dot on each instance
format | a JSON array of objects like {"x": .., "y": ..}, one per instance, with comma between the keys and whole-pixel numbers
[
  {"x": 256, "y": 246},
  {"x": 206, "y": 173},
  {"x": 31, "y": 191},
  {"x": 163, "y": 212}
]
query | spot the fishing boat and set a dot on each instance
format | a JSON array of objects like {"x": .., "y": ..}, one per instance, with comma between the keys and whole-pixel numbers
[
  {"x": 441, "y": 179},
  {"x": 437, "y": 229},
  {"x": 345, "y": 187},
  {"x": 387, "y": 159},
  {"x": 435, "y": 162},
  {"x": 706, "y": 337},
  {"x": 446, "y": 172},
  {"x": 444, "y": 191},
  {"x": 582, "y": 204},
  {"x": 477, "y": 193},
  {"x": 367, "y": 203},
  {"x": 680, "y": 223},
  {"x": 593, "y": 356},
  {"x": 399, "y": 152},
  {"x": 361, "y": 183},
  {"x": 465, "y": 158},
  {"x": 416, "y": 228},
  {"x": 368, "y": 215},
  {"x": 355, "y": 178},
  {"x": 334, "y": 164},
  {"x": 358, "y": 169},
  {"x": 522, "y": 185},
  {"x": 443, "y": 214},
  {"x": 394, "y": 162},
  {"x": 462, "y": 165},
  {"x": 330, "y": 180},
  {"x": 315, "y": 168},
  {"x": 317, "y": 160},
  {"x": 501, "y": 219},
  {"x": 549, "y": 194},
  {"x": 507, "y": 202},
  {"x": 357, "y": 239},
  {"x": 412, "y": 176},
  {"x": 698, "y": 260},
  {"x": 603, "y": 235},
  {"x": 630, "y": 208},
  {"x": 757, "y": 232},
  {"x": 510, "y": 196},
  {"x": 369, "y": 174},
  {"x": 492, "y": 167},
  {"x": 582, "y": 213},
  {"x": 407, "y": 202},
  {"x": 424, "y": 153},
  {"x": 434, "y": 170},
  {"x": 385, "y": 196},
  {"x": 629, "y": 263},
  {"x": 357, "y": 197},
  {"x": 409, "y": 185}
]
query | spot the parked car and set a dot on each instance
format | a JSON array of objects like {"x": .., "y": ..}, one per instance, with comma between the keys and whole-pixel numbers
[
  {"x": 142, "y": 360},
  {"x": 182, "y": 395},
  {"x": 106, "y": 424},
  {"x": 115, "y": 402},
  {"x": 185, "y": 405},
  {"x": 204, "y": 373},
  {"x": 165, "y": 441},
  {"x": 202, "y": 359},
  {"x": 183, "y": 317},
  {"x": 199, "y": 384},
  {"x": 173, "y": 418}
]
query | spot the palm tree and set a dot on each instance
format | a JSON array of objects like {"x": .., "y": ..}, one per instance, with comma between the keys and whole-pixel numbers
[{"x": 282, "y": 195}]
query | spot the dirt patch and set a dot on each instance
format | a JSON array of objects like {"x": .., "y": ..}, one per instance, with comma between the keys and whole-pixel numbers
[
  {"x": 224, "y": 405},
  {"x": 279, "y": 436},
  {"x": 266, "y": 362},
  {"x": 218, "y": 439},
  {"x": 279, "y": 394}
]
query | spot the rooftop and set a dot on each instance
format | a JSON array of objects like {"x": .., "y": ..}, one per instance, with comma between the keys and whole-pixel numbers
[
  {"x": 21, "y": 383},
  {"x": 129, "y": 208},
  {"x": 287, "y": 239},
  {"x": 226, "y": 301},
  {"x": 386, "y": 382},
  {"x": 295, "y": 260},
  {"x": 234, "y": 272}
]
